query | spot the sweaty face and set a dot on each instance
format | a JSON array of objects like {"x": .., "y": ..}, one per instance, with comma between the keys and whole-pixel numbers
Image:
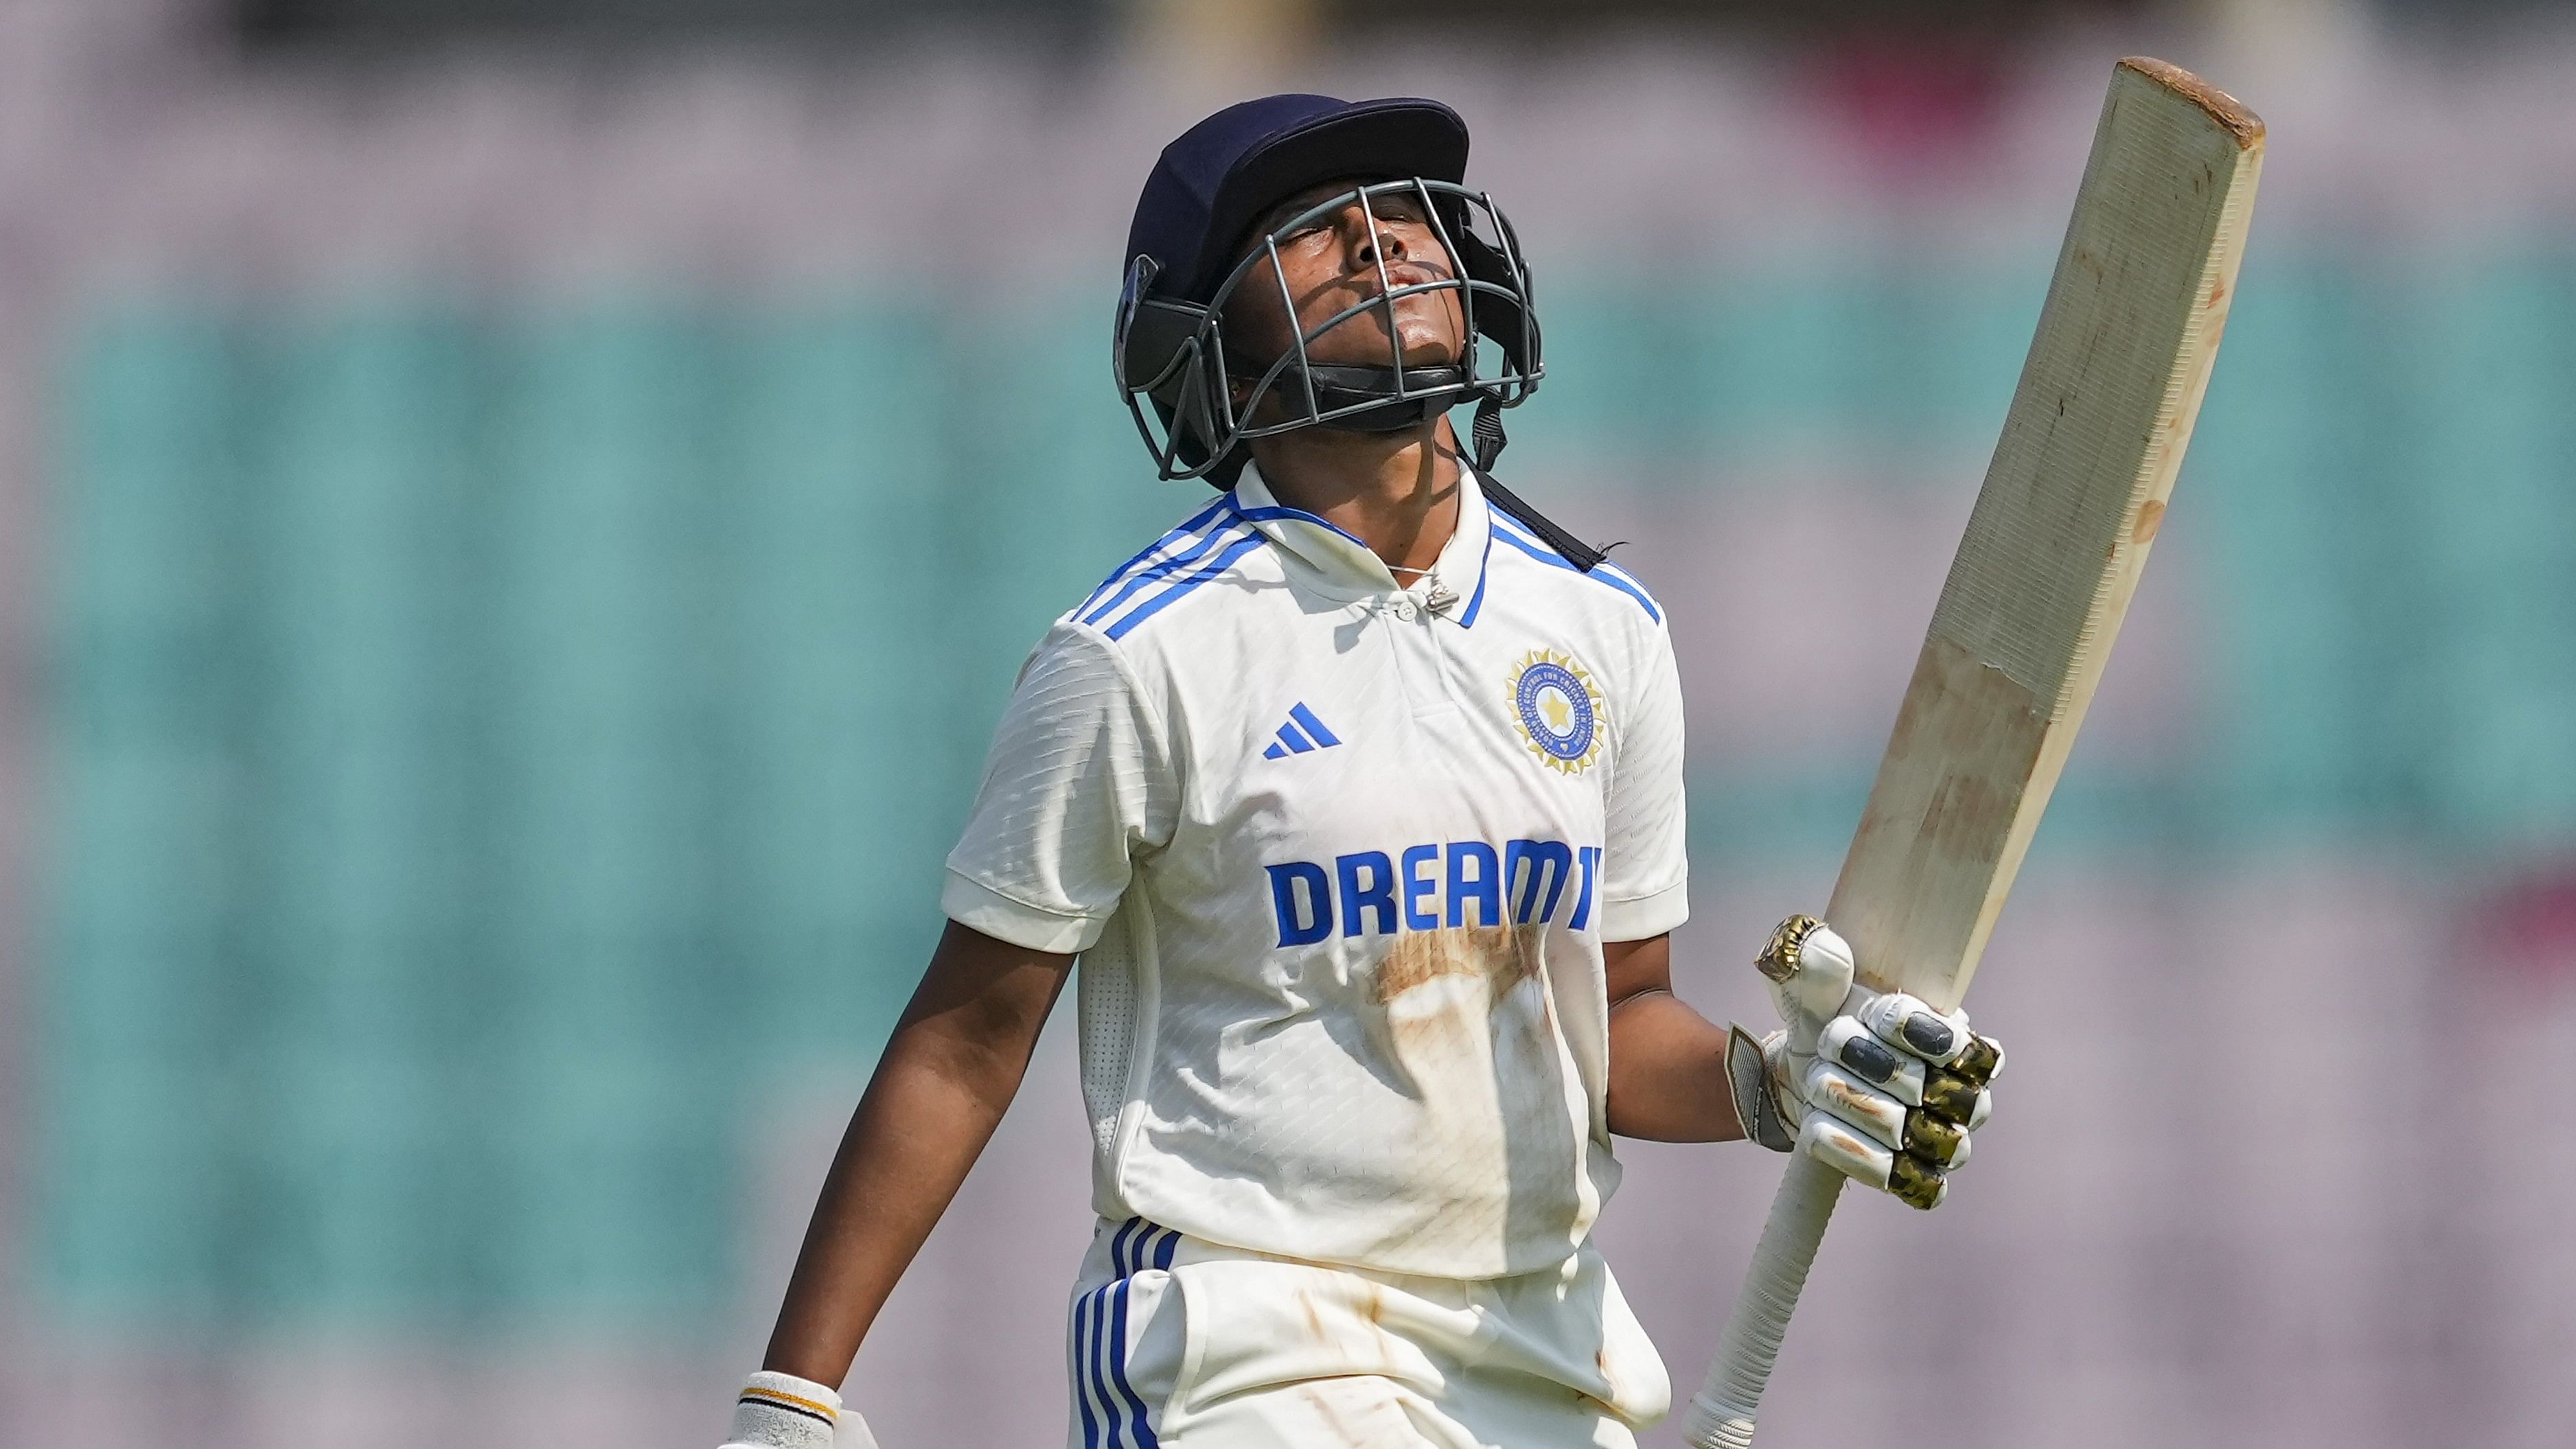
[{"x": 1349, "y": 255}]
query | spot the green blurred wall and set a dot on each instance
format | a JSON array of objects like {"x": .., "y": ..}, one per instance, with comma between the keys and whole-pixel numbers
[
  {"x": 481, "y": 758},
  {"x": 483, "y": 755}
]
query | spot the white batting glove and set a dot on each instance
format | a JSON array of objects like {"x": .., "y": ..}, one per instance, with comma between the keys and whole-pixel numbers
[
  {"x": 782, "y": 1411},
  {"x": 1877, "y": 1085}
]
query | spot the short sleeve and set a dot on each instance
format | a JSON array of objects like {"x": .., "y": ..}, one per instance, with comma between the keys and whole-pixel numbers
[
  {"x": 1645, "y": 883},
  {"x": 1079, "y": 781}
]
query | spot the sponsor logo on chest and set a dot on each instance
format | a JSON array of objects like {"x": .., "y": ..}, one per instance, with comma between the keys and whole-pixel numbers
[{"x": 1434, "y": 887}]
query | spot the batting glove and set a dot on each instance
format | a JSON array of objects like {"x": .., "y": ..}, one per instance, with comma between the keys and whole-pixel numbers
[
  {"x": 782, "y": 1411},
  {"x": 1876, "y": 1084}
]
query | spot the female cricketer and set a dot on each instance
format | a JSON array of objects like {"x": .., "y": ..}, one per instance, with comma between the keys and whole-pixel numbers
[{"x": 1358, "y": 797}]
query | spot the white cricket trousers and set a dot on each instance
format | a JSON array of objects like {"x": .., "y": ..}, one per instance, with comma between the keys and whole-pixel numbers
[{"x": 1183, "y": 1344}]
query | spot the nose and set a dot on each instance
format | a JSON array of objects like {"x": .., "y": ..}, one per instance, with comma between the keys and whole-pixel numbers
[{"x": 1367, "y": 238}]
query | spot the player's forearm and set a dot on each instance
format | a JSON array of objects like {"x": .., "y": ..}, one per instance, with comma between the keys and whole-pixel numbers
[
  {"x": 1668, "y": 1078},
  {"x": 947, "y": 1076},
  {"x": 910, "y": 1143}
]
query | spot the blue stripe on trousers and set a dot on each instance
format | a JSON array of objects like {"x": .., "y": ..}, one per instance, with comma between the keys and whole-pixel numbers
[{"x": 1100, "y": 1343}]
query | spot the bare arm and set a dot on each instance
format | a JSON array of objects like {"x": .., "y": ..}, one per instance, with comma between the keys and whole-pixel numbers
[
  {"x": 1667, "y": 1062},
  {"x": 949, "y": 1072}
]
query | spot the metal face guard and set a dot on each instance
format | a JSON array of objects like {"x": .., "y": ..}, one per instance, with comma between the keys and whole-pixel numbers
[{"x": 1171, "y": 351}]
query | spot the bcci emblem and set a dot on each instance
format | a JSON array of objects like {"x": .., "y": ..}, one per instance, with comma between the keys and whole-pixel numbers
[{"x": 1558, "y": 710}]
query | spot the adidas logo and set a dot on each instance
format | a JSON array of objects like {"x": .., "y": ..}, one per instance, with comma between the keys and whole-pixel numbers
[{"x": 1302, "y": 733}]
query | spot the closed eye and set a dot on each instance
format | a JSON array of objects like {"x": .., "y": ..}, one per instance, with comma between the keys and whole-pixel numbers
[{"x": 1400, "y": 208}]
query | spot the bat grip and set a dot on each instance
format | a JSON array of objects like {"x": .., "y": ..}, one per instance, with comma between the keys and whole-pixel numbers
[{"x": 1721, "y": 1415}]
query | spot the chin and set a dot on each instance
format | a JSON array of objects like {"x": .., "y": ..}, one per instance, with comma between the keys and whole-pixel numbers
[
  {"x": 1422, "y": 354},
  {"x": 1425, "y": 341},
  {"x": 1425, "y": 344}
]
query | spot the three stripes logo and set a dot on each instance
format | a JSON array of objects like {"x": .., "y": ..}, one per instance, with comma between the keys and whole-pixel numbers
[
  {"x": 1302, "y": 734},
  {"x": 1114, "y": 1414}
]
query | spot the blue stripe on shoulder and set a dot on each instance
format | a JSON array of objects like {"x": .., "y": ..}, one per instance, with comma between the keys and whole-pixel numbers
[
  {"x": 1620, "y": 578},
  {"x": 1535, "y": 550},
  {"x": 1162, "y": 569},
  {"x": 1171, "y": 540},
  {"x": 1606, "y": 573},
  {"x": 1253, "y": 539}
]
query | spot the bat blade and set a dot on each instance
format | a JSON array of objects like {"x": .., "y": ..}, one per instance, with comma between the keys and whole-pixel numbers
[
  {"x": 2034, "y": 598},
  {"x": 2060, "y": 532}
]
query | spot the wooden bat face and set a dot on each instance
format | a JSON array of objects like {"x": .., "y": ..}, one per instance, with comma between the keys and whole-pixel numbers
[{"x": 2053, "y": 550}]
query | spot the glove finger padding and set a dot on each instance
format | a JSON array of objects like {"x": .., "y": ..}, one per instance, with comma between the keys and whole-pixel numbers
[
  {"x": 1909, "y": 1024},
  {"x": 1947, "y": 1101},
  {"x": 1954, "y": 1098},
  {"x": 1901, "y": 1175},
  {"x": 1862, "y": 1107},
  {"x": 1877, "y": 1085},
  {"x": 1981, "y": 1061},
  {"x": 1902, "y": 1135},
  {"x": 1943, "y": 1144},
  {"x": 1854, "y": 1047}
]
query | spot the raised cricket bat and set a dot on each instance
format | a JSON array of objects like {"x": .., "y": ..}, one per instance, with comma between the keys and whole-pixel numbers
[{"x": 2054, "y": 546}]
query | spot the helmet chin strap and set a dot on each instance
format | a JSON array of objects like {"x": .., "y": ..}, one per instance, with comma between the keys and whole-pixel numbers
[
  {"x": 1340, "y": 387},
  {"x": 1487, "y": 433}
]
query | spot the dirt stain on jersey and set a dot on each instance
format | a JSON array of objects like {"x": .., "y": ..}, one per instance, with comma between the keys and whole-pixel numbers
[
  {"x": 1465, "y": 1021},
  {"x": 1501, "y": 955}
]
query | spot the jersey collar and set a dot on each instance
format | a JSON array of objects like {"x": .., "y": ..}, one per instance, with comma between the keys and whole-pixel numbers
[{"x": 1340, "y": 566}]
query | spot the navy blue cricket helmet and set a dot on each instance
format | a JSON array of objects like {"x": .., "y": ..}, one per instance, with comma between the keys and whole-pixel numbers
[{"x": 1191, "y": 246}]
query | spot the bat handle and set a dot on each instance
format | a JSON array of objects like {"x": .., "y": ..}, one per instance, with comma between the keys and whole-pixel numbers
[{"x": 1721, "y": 1416}]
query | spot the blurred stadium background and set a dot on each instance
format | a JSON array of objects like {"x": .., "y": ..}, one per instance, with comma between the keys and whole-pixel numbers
[{"x": 519, "y": 515}]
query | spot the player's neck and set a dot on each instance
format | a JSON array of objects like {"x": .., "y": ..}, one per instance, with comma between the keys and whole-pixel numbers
[{"x": 1395, "y": 492}]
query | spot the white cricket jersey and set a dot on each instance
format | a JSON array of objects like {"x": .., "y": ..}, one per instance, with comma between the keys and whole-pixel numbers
[{"x": 1339, "y": 857}]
